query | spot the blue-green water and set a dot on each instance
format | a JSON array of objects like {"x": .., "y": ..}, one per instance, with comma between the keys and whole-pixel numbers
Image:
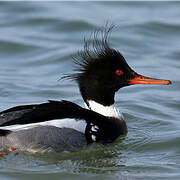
[{"x": 37, "y": 42}]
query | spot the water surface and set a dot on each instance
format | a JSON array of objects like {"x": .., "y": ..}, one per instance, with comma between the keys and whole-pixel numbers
[{"x": 37, "y": 42}]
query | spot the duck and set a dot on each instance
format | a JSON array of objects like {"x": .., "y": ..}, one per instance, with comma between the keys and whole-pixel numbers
[{"x": 57, "y": 126}]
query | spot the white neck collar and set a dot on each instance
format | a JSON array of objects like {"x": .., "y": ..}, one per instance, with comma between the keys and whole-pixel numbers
[{"x": 109, "y": 111}]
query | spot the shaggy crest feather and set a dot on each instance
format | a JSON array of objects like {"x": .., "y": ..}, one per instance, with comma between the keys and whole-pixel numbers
[{"x": 95, "y": 48}]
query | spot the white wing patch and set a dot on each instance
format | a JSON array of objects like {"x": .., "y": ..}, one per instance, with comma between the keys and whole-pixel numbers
[{"x": 79, "y": 125}]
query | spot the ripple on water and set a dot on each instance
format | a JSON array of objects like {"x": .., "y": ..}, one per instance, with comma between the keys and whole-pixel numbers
[{"x": 36, "y": 44}]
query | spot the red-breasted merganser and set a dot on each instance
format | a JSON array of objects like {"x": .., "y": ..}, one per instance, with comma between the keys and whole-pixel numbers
[{"x": 102, "y": 71}]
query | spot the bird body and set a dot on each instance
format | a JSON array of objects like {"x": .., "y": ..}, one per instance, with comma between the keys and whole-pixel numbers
[{"x": 58, "y": 126}]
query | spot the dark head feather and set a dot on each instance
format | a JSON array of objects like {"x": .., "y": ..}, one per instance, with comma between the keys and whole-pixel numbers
[
  {"x": 102, "y": 70},
  {"x": 96, "y": 68},
  {"x": 95, "y": 48}
]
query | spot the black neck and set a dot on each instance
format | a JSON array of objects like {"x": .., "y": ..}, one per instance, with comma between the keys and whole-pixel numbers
[{"x": 100, "y": 95}]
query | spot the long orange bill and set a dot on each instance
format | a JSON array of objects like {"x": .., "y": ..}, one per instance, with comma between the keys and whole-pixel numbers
[{"x": 146, "y": 80}]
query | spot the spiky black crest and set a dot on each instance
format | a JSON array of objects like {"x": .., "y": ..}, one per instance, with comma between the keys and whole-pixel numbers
[{"x": 95, "y": 48}]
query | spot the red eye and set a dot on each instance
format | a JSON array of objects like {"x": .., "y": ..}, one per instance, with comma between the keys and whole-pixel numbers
[{"x": 119, "y": 72}]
